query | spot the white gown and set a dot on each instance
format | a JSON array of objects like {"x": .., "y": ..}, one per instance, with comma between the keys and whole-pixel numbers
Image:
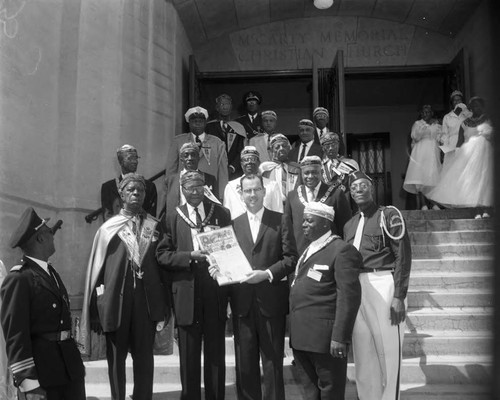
[
  {"x": 451, "y": 126},
  {"x": 468, "y": 182},
  {"x": 424, "y": 166}
]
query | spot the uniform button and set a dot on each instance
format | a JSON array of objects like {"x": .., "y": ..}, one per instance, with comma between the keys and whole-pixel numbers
[
  {"x": 54, "y": 305},
  {"x": 61, "y": 322}
]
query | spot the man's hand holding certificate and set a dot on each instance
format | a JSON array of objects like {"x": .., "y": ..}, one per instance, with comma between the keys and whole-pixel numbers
[{"x": 228, "y": 264}]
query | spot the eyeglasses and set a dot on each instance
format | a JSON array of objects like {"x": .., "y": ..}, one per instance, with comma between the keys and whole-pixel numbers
[
  {"x": 361, "y": 186},
  {"x": 193, "y": 189},
  {"x": 250, "y": 191}
]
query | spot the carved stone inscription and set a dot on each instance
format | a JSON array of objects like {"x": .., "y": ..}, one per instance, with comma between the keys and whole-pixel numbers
[{"x": 293, "y": 43}]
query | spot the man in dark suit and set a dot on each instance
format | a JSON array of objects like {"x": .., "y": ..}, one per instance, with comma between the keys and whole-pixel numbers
[
  {"x": 200, "y": 305},
  {"x": 124, "y": 295},
  {"x": 324, "y": 300},
  {"x": 260, "y": 303},
  {"x": 110, "y": 198},
  {"x": 233, "y": 140},
  {"x": 314, "y": 190},
  {"x": 189, "y": 157},
  {"x": 252, "y": 120},
  {"x": 36, "y": 319},
  {"x": 307, "y": 146},
  {"x": 321, "y": 118}
]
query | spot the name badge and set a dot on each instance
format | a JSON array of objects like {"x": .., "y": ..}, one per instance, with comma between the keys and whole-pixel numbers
[
  {"x": 319, "y": 267},
  {"x": 313, "y": 274}
]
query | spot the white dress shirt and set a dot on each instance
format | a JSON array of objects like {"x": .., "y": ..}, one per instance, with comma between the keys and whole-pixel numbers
[
  {"x": 314, "y": 246},
  {"x": 255, "y": 220},
  {"x": 312, "y": 193},
  {"x": 192, "y": 217}
]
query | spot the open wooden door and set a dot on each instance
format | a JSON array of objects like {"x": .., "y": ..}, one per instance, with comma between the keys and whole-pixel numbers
[
  {"x": 194, "y": 83},
  {"x": 459, "y": 75},
  {"x": 331, "y": 95}
]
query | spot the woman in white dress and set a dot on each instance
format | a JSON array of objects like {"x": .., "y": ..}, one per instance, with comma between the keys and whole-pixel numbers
[
  {"x": 7, "y": 388},
  {"x": 451, "y": 125},
  {"x": 469, "y": 180},
  {"x": 424, "y": 167}
]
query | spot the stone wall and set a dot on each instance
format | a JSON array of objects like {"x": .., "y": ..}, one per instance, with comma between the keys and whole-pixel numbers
[{"x": 78, "y": 79}]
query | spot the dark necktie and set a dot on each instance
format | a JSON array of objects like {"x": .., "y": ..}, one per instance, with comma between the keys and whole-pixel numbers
[
  {"x": 52, "y": 274},
  {"x": 198, "y": 141},
  {"x": 198, "y": 220},
  {"x": 302, "y": 152}
]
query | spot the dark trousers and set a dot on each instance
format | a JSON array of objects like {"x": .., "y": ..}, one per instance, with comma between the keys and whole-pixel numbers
[
  {"x": 257, "y": 336},
  {"x": 135, "y": 334},
  {"x": 209, "y": 328},
  {"x": 74, "y": 390},
  {"x": 322, "y": 376}
]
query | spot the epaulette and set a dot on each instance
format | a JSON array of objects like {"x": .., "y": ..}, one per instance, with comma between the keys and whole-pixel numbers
[{"x": 16, "y": 268}]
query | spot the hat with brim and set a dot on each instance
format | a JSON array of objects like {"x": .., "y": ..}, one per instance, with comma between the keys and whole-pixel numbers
[
  {"x": 27, "y": 226},
  {"x": 320, "y": 209},
  {"x": 196, "y": 112},
  {"x": 253, "y": 96}
]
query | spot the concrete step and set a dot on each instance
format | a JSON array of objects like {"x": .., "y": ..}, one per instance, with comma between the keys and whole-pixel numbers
[
  {"x": 449, "y": 319},
  {"x": 445, "y": 342},
  {"x": 452, "y": 250},
  {"x": 452, "y": 237},
  {"x": 449, "y": 297},
  {"x": 463, "y": 369},
  {"x": 451, "y": 280},
  {"x": 454, "y": 264},
  {"x": 447, "y": 225},
  {"x": 293, "y": 391}
]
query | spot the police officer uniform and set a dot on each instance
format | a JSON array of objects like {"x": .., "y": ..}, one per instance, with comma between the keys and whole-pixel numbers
[{"x": 36, "y": 321}]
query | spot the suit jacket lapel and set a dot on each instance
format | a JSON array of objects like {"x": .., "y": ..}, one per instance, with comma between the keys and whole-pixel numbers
[
  {"x": 263, "y": 227},
  {"x": 322, "y": 190},
  {"x": 245, "y": 235},
  {"x": 184, "y": 237},
  {"x": 46, "y": 279}
]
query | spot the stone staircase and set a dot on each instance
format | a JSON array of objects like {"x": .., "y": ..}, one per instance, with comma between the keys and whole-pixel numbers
[{"x": 447, "y": 347}]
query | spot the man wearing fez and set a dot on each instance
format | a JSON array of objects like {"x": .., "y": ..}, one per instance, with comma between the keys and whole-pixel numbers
[
  {"x": 307, "y": 146},
  {"x": 335, "y": 168},
  {"x": 252, "y": 120},
  {"x": 324, "y": 300},
  {"x": 281, "y": 169},
  {"x": 380, "y": 236},
  {"x": 200, "y": 305},
  {"x": 189, "y": 157},
  {"x": 321, "y": 118},
  {"x": 220, "y": 128},
  {"x": 124, "y": 295},
  {"x": 110, "y": 198},
  {"x": 261, "y": 140},
  {"x": 260, "y": 303},
  {"x": 213, "y": 155},
  {"x": 314, "y": 190},
  {"x": 233, "y": 200},
  {"x": 36, "y": 319}
]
